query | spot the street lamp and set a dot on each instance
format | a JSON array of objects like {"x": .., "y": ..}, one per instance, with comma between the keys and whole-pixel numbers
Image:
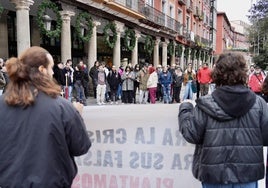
[
  {"x": 47, "y": 21},
  {"x": 83, "y": 26}
]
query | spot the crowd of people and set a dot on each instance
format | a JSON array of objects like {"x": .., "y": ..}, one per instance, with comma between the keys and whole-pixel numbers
[
  {"x": 114, "y": 85},
  {"x": 142, "y": 83}
]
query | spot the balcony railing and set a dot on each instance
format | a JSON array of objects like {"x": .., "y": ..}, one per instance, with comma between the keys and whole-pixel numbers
[
  {"x": 189, "y": 6},
  {"x": 133, "y": 5},
  {"x": 179, "y": 28},
  {"x": 196, "y": 12},
  {"x": 170, "y": 23},
  {"x": 157, "y": 17},
  {"x": 152, "y": 14},
  {"x": 182, "y": 2},
  {"x": 205, "y": 41}
]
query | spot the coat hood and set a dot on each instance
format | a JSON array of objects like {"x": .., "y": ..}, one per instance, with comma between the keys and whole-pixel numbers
[{"x": 227, "y": 102}]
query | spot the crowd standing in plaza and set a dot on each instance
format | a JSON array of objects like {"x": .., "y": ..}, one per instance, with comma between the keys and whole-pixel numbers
[{"x": 132, "y": 84}]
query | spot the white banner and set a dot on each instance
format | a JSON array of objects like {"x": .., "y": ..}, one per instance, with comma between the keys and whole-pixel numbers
[{"x": 135, "y": 146}]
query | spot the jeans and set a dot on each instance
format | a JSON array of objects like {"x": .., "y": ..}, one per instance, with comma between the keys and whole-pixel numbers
[
  {"x": 166, "y": 93},
  {"x": 237, "y": 185},
  {"x": 70, "y": 89},
  {"x": 143, "y": 96},
  {"x": 119, "y": 91},
  {"x": 188, "y": 93},
  {"x": 80, "y": 95}
]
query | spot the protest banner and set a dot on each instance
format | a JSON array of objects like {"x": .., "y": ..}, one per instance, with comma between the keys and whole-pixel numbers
[{"x": 135, "y": 146}]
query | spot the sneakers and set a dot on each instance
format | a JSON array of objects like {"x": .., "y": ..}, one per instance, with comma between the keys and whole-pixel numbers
[
  {"x": 101, "y": 103},
  {"x": 112, "y": 103}
]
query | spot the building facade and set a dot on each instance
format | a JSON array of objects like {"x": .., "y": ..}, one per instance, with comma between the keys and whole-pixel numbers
[
  {"x": 120, "y": 31},
  {"x": 232, "y": 36}
]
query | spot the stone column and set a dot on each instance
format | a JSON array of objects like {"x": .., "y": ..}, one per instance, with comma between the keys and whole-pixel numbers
[
  {"x": 164, "y": 52},
  {"x": 189, "y": 57},
  {"x": 23, "y": 24},
  {"x": 134, "y": 53},
  {"x": 198, "y": 60},
  {"x": 173, "y": 58},
  {"x": 3, "y": 36},
  {"x": 66, "y": 45},
  {"x": 92, "y": 49},
  {"x": 182, "y": 58},
  {"x": 156, "y": 51},
  {"x": 117, "y": 47}
]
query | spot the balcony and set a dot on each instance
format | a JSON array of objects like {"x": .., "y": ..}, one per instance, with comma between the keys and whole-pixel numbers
[
  {"x": 152, "y": 16},
  {"x": 186, "y": 33},
  {"x": 170, "y": 23},
  {"x": 202, "y": 42},
  {"x": 182, "y": 2},
  {"x": 196, "y": 12},
  {"x": 201, "y": 16},
  {"x": 189, "y": 6},
  {"x": 206, "y": 42},
  {"x": 128, "y": 7},
  {"x": 179, "y": 28},
  {"x": 159, "y": 20}
]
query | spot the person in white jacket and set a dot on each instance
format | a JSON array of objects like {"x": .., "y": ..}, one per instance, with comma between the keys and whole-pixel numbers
[{"x": 152, "y": 84}]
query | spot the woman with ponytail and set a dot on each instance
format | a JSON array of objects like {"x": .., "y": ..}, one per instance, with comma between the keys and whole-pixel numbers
[{"x": 40, "y": 131}]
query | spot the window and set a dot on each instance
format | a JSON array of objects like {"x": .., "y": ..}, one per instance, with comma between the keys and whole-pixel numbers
[
  {"x": 164, "y": 7},
  {"x": 150, "y": 2},
  {"x": 129, "y": 3},
  {"x": 171, "y": 11},
  {"x": 180, "y": 16},
  {"x": 188, "y": 23},
  {"x": 194, "y": 27}
]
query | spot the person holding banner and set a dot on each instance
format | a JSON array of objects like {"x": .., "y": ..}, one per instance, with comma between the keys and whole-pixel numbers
[
  {"x": 40, "y": 131},
  {"x": 228, "y": 127}
]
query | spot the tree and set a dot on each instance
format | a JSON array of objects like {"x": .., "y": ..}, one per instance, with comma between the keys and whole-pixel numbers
[{"x": 258, "y": 36}]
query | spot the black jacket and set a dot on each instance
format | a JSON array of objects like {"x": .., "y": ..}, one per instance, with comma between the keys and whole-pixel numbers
[
  {"x": 229, "y": 129},
  {"x": 59, "y": 75},
  {"x": 38, "y": 143},
  {"x": 93, "y": 73},
  {"x": 81, "y": 77},
  {"x": 177, "y": 80},
  {"x": 114, "y": 79}
]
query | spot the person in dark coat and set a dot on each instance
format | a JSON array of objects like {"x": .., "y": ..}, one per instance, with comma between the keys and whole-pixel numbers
[
  {"x": 165, "y": 79},
  {"x": 59, "y": 75},
  {"x": 114, "y": 80},
  {"x": 93, "y": 75},
  {"x": 177, "y": 83},
  {"x": 228, "y": 127},
  {"x": 41, "y": 132},
  {"x": 79, "y": 82}
]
